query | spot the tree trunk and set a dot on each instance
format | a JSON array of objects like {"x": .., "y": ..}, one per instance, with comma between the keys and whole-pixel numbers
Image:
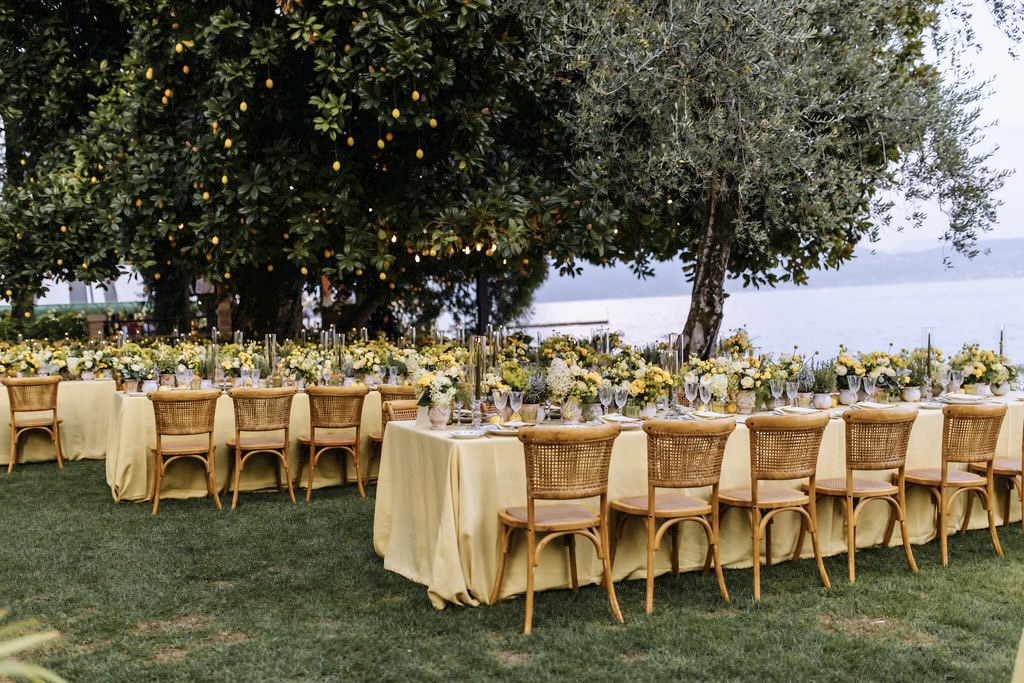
[
  {"x": 707, "y": 300},
  {"x": 483, "y": 301}
]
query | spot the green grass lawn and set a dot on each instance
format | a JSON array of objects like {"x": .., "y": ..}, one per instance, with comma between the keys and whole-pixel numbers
[{"x": 280, "y": 592}]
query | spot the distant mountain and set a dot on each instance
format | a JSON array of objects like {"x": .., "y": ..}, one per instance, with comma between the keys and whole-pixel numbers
[{"x": 999, "y": 259}]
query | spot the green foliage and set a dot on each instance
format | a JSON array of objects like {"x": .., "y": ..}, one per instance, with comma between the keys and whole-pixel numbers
[{"x": 823, "y": 375}]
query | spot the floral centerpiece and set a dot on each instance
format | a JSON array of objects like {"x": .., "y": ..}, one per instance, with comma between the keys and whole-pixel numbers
[
  {"x": 982, "y": 366},
  {"x": 568, "y": 381},
  {"x": 650, "y": 383},
  {"x": 305, "y": 363},
  {"x": 234, "y": 358},
  {"x": 736, "y": 345},
  {"x": 135, "y": 363},
  {"x": 847, "y": 365},
  {"x": 437, "y": 387},
  {"x": 95, "y": 360}
]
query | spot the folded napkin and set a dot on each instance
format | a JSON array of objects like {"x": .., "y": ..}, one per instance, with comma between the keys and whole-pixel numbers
[
  {"x": 962, "y": 398},
  {"x": 619, "y": 418},
  {"x": 709, "y": 415},
  {"x": 797, "y": 410},
  {"x": 872, "y": 404}
]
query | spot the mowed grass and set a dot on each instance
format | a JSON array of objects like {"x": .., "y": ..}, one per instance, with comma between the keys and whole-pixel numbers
[{"x": 281, "y": 592}]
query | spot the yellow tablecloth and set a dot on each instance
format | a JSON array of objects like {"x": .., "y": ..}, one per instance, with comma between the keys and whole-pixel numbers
[
  {"x": 438, "y": 499},
  {"x": 132, "y": 430},
  {"x": 85, "y": 409}
]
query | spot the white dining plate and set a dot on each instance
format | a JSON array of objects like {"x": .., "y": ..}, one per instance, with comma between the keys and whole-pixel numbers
[
  {"x": 500, "y": 430},
  {"x": 930, "y": 405},
  {"x": 964, "y": 398},
  {"x": 466, "y": 433}
]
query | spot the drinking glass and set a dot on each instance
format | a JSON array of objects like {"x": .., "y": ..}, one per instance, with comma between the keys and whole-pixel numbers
[
  {"x": 457, "y": 406},
  {"x": 500, "y": 399},
  {"x": 179, "y": 375},
  {"x": 393, "y": 374},
  {"x": 325, "y": 373},
  {"x": 705, "y": 394},
  {"x": 515, "y": 401},
  {"x": 606, "y": 394},
  {"x": 474, "y": 408},
  {"x": 255, "y": 375},
  {"x": 189, "y": 376},
  {"x": 854, "y": 382},
  {"x": 621, "y": 396},
  {"x": 776, "y": 385},
  {"x": 791, "y": 391},
  {"x": 246, "y": 374},
  {"x": 690, "y": 389},
  {"x": 869, "y": 387},
  {"x": 958, "y": 379}
]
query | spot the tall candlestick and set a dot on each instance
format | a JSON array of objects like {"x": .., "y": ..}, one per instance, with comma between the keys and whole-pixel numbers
[
  {"x": 928, "y": 363},
  {"x": 1001, "y": 340}
]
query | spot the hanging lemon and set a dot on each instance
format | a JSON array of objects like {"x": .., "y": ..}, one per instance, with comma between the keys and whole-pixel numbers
[
  {"x": 433, "y": 123},
  {"x": 227, "y": 143},
  {"x": 350, "y": 141},
  {"x": 242, "y": 106},
  {"x": 269, "y": 83},
  {"x": 419, "y": 153},
  {"x": 179, "y": 48},
  {"x": 380, "y": 144},
  {"x": 415, "y": 95},
  {"x": 336, "y": 165},
  {"x": 149, "y": 74}
]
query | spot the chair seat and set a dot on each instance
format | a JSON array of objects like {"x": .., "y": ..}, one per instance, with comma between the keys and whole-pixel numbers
[
  {"x": 259, "y": 442},
  {"x": 666, "y": 505},
  {"x": 184, "y": 445},
  {"x": 375, "y": 437},
  {"x": 329, "y": 440},
  {"x": 767, "y": 497},
  {"x": 23, "y": 421},
  {"x": 862, "y": 488},
  {"x": 1003, "y": 467},
  {"x": 933, "y": 477},
  {"x": 554, "y": 517}
]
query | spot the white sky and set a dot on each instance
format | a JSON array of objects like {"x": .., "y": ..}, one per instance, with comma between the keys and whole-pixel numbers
[{"x": 1004, "y": 108}]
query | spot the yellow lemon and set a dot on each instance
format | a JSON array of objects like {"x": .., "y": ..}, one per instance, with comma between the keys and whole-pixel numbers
[
  {"x": 270, "y": 267},
  {"x": 227, "y": 143},
  {"x": 304, "y": 270},
  {"x": 242, "y": 106},
  {"x": 64, "y": 228},
  {"x": 156, "y": 276},
  {"x": 223, "y": 180},
  {"x": 60, "y": 262},
  {"x": 206, "y": 196},
  {"x": 179, "y": 48},
  {"x": 163, "y": 387},
  {"x": 215, "y": 240},
  {"x": 389, "y": 136},
  {"x": 350, "y": 141},
  {"x": 494, "y": 420},
  {"x": 185, "y": 69},
  {"x": 168, "y": 93},
  {"x": 415, "y": 95},
  {"x": 433, "y": 122},
  {"x": 227, "y": 276},
  {"x": 380, "y": 144},
  {"x": 149, "y": 74},
  {"x": 269, "y": 83},
  {"x": 336, "y": 165},
  {"x": 395, "y": 113},
  {"x": 419, "y": 153}
]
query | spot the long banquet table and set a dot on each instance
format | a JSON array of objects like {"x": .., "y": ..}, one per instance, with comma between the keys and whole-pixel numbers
[
  {"x": 132, "y": 429},
  {"x": 438, "y": 497},
  {"x": 83, "y": 407}
]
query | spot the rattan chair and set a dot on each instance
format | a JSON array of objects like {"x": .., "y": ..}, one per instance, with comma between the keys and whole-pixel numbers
[
  {"x": 33, "y": 406},
  {"x": 184, "y": 429},
  {"x": 389, "y": 392},
  {"x": 782, "y": 448},
  {"x": 262, "y": 421},
  {"x": 332, "y": 409},
  {"x": 1009, "y": 470},
  {"x": 680, "y": 455},
  {"x": 969, "y": 436},
  {"x": 562, "y": 464},
  {"x": 876, "y": 441},
  {"x": 402, "y": 409}
]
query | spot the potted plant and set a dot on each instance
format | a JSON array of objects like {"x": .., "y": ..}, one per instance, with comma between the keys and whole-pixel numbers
[{"x": 822, "y": 382}]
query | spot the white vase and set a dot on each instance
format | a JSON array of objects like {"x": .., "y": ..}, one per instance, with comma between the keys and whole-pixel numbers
[
  {"x": 847, "y": 397},
  {"x": 822, "y": 401},
  {"x": 745, "y": 401},
  {"x": 439, "y": 416},
  {"x": 150, "y": 385},
  {"x": 1001, "y": 389},
  {"x": 649, "y": 412},
  {"x": 911, "y": 394},
  {"x": 87, "y": 375},
  {"x": 422, "y": 417}
]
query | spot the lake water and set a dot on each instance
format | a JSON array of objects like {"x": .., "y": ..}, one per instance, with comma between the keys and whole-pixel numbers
[{"x": 866, "y": 318}]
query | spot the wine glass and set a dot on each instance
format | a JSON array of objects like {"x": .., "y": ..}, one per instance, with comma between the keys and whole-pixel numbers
[
  {"x": 475, "y": 412},
  {"x": 179, "y": 375},
  {"x": 515, "y": 401},
  {"x": 705, "y": 394},
  {"x": 792, "y": 388},
  {"x": 245, "y": 374},
  {"x": 869, "y": 387},
  {"x": 776, "y": 385},
  {"x": 393, "y": 374},
  {"x": 690, "y": 390},
  {"x": 605, "y": 394},
  {"x": 325, "y": 373},
  {"x": 853, "y": 381},
  {"x": 957, "y": 377},
  {"x": 190, "y": 375},
  {"x": 621, "y": 396},
  {"x": 500, "y": 399},
  {"x": 255, "y": 376},
  {"x": 457, "y": 405}
]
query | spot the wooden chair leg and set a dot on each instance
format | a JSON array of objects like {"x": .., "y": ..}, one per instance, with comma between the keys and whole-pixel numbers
[
  {"x": 755, "y": 533},
  {"x": 14, "y": 450},
  {"x": 849, "y": 519},
  {"x": 609, "y": 583},
  {"x": 812, "y": 522},
  {"x": 943, "y": 544},
  {"x": 901, "y": 509},
  {"x": 312, "y": 468},
  {"x": 235, "y": 477},
  {"x": 989, "y": 502},
  {"x": 211, "y": 479},
  {"x": 674, "y": 531},
  {"x": 504, "y": 545},
  {"x": 359, "y": 476},
  {"x": 157, "y": 475},
  {"x": 649, "y": 524},
  {"x": 56, "y": 444},
  {"x": 531, "y": 563},
  {"x": 287, "y": 476},
  {"x": 570, "y": 544}
]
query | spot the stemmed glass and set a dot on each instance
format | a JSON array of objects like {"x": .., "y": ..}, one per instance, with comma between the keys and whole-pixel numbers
[
  {"x": 457, "y": 405},
  {"x": 500, "y": 399},
  {"x": 621, "y": 396},
  {"x": 792, "y": 389},
  {"x": 853, "y": 381},
  {"x": 705, "y": 394},
  {"x": 179, "y": 376},
  {"x": 393, "y": 374},
  {"x": 957, "y": 377},
  {"x": 189, "y": 376},
  {"x": 245, "y": 375},
  {"x": 690, "y": 389},
  {"x": 515, "y": 401},
  {"x": 325, "y": 374},
  {"x": 776, "y": 386},
  {"x": 869, "y": 387},
  {"x": 255, "y": 376},
  {"x": 605, "y": 394}
]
